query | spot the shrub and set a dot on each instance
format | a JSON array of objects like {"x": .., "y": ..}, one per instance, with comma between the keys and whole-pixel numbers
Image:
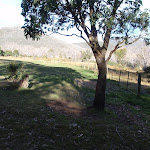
[
  {"x": 15, "y": 71},
  {"x": 16, "y": 53},
  {"x": 147, "y": 69},
  {"x": 120, "y": 54},
  {"x": 8, "y": 53},
  {"x": 86, "y": 55},
  {"x": 2, "y": 53}
]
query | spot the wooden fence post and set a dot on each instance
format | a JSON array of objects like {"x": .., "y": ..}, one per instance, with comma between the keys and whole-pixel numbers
[
  {"x": 119, "y": 76},
  {"x": 84, "y": 65},
  {"x": 107, "y": 72},
  {"x": 128, "y": 80},
  {"x": 139, "y": 84}
]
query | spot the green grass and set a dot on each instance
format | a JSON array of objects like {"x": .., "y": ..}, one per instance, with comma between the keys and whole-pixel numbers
[
  {"x": 27, "y": 122},
  {"x": 125, "y": 97}
]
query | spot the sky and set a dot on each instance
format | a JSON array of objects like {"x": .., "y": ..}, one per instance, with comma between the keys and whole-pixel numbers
[{"x": 10, "y": 13}]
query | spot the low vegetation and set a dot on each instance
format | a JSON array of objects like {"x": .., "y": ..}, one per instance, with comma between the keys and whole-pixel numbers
[
  {"x": 86, "y": 55},
  {"x": 120, "y": 55},
  {"x": 14, "y": 71},
  {"x": 9, "y": 53},
  {"x": 54, "y": 112}
]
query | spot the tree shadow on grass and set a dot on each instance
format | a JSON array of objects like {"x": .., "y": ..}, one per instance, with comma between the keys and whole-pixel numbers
[
  {"x": 27, "y": 123},
  {"x": 55, "y": 85}
]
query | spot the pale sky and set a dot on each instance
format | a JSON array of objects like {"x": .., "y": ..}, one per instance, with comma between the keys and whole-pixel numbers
[{"x": 10, "y": 12}]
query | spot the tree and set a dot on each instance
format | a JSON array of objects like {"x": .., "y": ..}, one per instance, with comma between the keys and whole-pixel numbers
[
  {"x": 120, "y": 18},
  {"x": 120, "y": 54},
  {"x": 86, "y": 55}
]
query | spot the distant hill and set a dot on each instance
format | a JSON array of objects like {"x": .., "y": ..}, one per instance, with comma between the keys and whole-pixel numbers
[
  {"x": 137, "y": 53},
  {"x": 50, "y": 46},
  {"x": 13, "y": 38},
  {"x": 86, "y": 46}
]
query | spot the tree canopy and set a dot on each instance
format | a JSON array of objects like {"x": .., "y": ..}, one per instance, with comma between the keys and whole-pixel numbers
[{"x": 121, "y": 19}]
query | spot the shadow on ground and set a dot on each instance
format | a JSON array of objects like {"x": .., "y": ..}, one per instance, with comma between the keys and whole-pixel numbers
[
  {"x": 31, "y": 118},
  {"x": 55, "y": 85},
  {"x": 62, "y": 88}
]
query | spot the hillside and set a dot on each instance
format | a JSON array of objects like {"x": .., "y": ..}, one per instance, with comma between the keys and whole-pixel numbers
[
  {"x": 52, "y": 46},
  {"x": 137, "y": 53},
  {"x": 13, "y": 38},
  {"x": 85, "y": 45}
]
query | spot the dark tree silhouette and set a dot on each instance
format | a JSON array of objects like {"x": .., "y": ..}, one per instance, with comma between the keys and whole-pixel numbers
[{"x": 120, "y": 18}]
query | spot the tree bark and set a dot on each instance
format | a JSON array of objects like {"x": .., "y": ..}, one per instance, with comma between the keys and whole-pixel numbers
[
  {"x": 99, "y": 100},
  {"x": 99, "y": 53}
]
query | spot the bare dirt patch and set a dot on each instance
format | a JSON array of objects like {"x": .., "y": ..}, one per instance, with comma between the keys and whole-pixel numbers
[{"x": 64, "y": 106}]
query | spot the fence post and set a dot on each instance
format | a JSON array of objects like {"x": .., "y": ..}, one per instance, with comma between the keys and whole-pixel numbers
[
  {"x": 84, "y": 65},
  {"x": 119, "y": 76},
  {"x": 128, "y": 80},
  {"x": 139, "y": 84},
  {"x": 107, "y": 72}
]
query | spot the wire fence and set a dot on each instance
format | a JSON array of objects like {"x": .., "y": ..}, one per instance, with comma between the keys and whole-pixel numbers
[
  {"x": 134, "y": 81},
  {"x": 138, "y": 82}
]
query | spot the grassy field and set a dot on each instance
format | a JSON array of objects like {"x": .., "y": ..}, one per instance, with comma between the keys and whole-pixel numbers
[{"x": 53, "y": 113}]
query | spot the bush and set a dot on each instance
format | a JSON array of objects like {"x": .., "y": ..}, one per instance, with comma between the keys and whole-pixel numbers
[
  {"x": 8, "y": 53},
  {"x": 16, "y": 53},
  {"x": 120, "y": 54},
  {"x": 15, "y": 71},
  {"x": 2, "y": 53},
  {"x": 86, "y": 55},
  {"x": 146, "y": 69}
]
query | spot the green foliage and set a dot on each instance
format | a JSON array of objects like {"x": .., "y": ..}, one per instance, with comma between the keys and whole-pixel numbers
[
  {"x": 51, "y": 51},
  {"x": 8, "y": 53},
  {"x": 105, "y": 15},
  {"x": 15, "y": 71},
  {"x": 120, "y": 54},
  {"x": 86, "y": 55},
  {"x": 16, "y": 53},
  {"x": 2, "y": 53}
]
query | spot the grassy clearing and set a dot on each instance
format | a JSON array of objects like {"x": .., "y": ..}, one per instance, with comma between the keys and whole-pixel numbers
[{"x": 52, "y": 113}]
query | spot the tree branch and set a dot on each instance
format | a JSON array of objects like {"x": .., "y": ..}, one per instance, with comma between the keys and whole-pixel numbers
[
  {"x": 116, "y": 47},
  {"x": 134, "y": 40},
  {"x": 108, "y": 31},
  {"x": 81, "y": 23},
  {"x": 82, "y": 36}
]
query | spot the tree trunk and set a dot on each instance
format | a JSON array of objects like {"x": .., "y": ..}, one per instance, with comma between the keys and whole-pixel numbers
[
  {"x": 99, "y": 53},
  {"x": 99, "y": 100}
]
